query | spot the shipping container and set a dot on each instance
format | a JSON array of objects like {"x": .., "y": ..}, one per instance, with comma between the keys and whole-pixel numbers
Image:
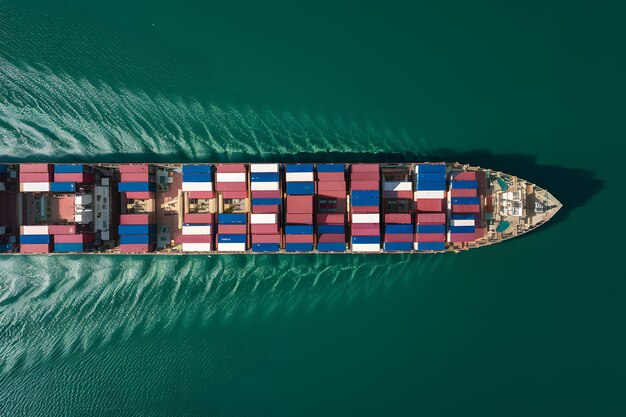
[
  {"x": 304, "y": 229},
  {"x": 36, "y": 248},
  {"x": 137, "y": 177},
  {"x": 365, "y": 201},
  {"x": 235, "y": 194},
  {"x": 197, "y": 186},
  {"x": 201, "y": 194},
  {"x": 35, "y": 239},
  {"x": 299, "y": 176},
  {"x": 406, "y": 195},
  {"x": 430, "y": 237},
  {"x": 334, "y": 168},
  {"x": 264, "y": 229},
  {"x": 429, "y": 204},
  {"x": 136, "y": 229},
  {"x": 140, "y": 195},
  {"x": 68, "y": 247},
  {"x": 198, "y": 218},
  {"x": 365, "y": 239},
  {"x": 299, "y": 168},
  {"x": 397, "y": 186},
  {"x": 365, "y": 230},
  {"x": 364, "y": 185},
  {"x": 430, "y": 246},
  {"x": 194, "y": 239},
  {"x": 198, "y": 177},
  {"x": 430, "y": 194},
  {"x": 431, "y": 176},
  {"x": 465, "y": 200},
  {"x": 402, "y": 218},
  {"x": 430, "y": 168},
  {"x": 62, "y": 187},
  {"x": 365, "y": 209},
  {"x": 366, "y": 176},
  {"x": 267, "y": 194},
  {"x": 79, "y": 238},
  {"x": 464, "y": 208},
  {"x": 331, "y": 176},
  {"x": 231, "y": 247},
  {"x": 397, "y": 246},
  {"x": 430, "y": 186},
  {"x": 225, "y": 238},
  {"x": 399, "y": 237},
  {"x": 331, "y": 228},
  {"x": 197, "y": 247},
  {"x": 464, "y": 176},
  {"x": 265, "y": 247},
  {"x": 265, "y": 186},
  {"x": 199, "y": 229},
  {"x": 132, "y": 168},
  {"x": 266, "y": 201},
  {"x": 263, "y": 168},
  {"x": 264, "y": 177},
  {"x": 230, "y": 168},
  {"x": 35, "y": 177},
  {"x": 300, "y": 204},
  {"x": 299, "y": 239},
  {"x": 365, "y": 167},
  {"x": 399, "y": 228},
  {"x": 300, "y": 188},
  {"x": 235, "y": 186},
  {"x": 196, "y": 169},
  {"x": 267, "y": 238},
  {"x": 60, "y": 229},
  {"x": 298, "y": 247},
  {"x": 265, "y": 208},
  {"x": 331, "y": 246},
  {"x": 35, "y": 168},
  {"x": 123, "y": 187},
  {"x": 464, "y": 192},
  {"x": 34, "y": 187},
  {"x": 231, "y": 177},
  {"x": 264, "y": 218},
  {"x": 469, "y": 222},
  {"x": 231, "y": 218},
  {"x": 365, "y": 218},
  {"x": 332, "y": 238},
  {"x": 331, "y": 186},
  {"x": 430, "y": 228},
  {"x": 136, "y": 239},
  {"x": 462, "y": 229},
  {"x": 432, "y": 218},
  {"x": 35, "y": 230},
  {"x": 331, "y": 218},
  {"x": 365, "y": 247},
  {"x": 71, "y": 168},
  {"x": 137, "y": 248},
  {"x": 139, "y": 218},
  {"x": 464, "y": 184},
  {"x": 461, "y": 237},
  {"x": 356, "y": 194},
  {"x": 74, "y": 177}
]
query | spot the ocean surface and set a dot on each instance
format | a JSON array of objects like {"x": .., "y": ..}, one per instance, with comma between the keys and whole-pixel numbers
[{"x": 531, "y": 327}]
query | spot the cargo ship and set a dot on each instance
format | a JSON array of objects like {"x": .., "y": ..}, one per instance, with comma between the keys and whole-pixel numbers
[{"x": 159, "y": 208}]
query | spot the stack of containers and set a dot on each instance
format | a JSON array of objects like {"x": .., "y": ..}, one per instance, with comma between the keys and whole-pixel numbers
[
  {"x": 67, "y": 238},
  {"x": 430, "y": 186},
  {"x": 232, "y": 228},
  {"x": 465, "y": 206},
  {"x": 5, "y": 239},
  {"x": 137, "y": 230},
  {"x": 66, "y": 176},
  {"x": 266, "y": 207},
  {"x": 35, "y": 239},
  {"x": 331, "y": 207},
  {"x": 35, "y": 178},
  {"x": 299, "y": 207},
  {"x": 365, "y": 207},
  {"x": 397, "y": 196},
  {"x": 197, "y": 233}
]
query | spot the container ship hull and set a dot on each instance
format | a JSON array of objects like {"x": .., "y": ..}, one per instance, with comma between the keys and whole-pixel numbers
[{"x": 138, "y": 208}]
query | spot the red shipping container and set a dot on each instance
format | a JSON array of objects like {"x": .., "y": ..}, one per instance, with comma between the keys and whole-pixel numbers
[
  {"x": 365, "y": 229},
  {"x": 299, "y": 238},
  {"x": 232, "y": 229},
  {"x": 36, "y": 177},
  {"x": 365, "y": 176},
  {"x": 201, "y": 194},
  {"x": 231, "y": 186},
  {"x": 364, "y": 185},
  {"x": 266, "y": 238},
  {"x": 128, "y": 168},
  {"x": 267, "y": 194},
  {"x": 464, "y": 192},
  {"x": 73, "y": 177},
  {"x": 365, "y": 167},
  {"x": 465, "y": 176},
  {"x": 331, "y": 186},
  {"x": 299, "y": 218},
  {"x": 136, "y": 177},
  {"x": 430, "y": 237},
  {"x": 331, "y": 176},
  {"x": 399, "y": 237},
  {"x": 365, "y": 209},
  {"x": 267, "y": 229},
  {"x": 62, "y": 229},
  {"x": 462, "y": 237},
  {"x": 398, "y": 194},
  {"x": 139, "y": 218},
  {"x": 431, "y": 218},
  {"x": 35, "y": 168},
  {"x": 429, "y": 204},
  {"x": 331, "y": 238},
  {"x": 231, "y": 168},
  {"x": 265, "y": 208},
  {"x": 194, "y": 239},
  {"x": 338, "y": 194},
  {"x": 235, "y": 194},
  {"x": 81, "y": 238},
  {"x": 398, "y": 218},
  {"x": 140, "y": 195},
  {"x": 466, "y": 208},
  {"x": 137, "y": 248},
  {"x": 331, "y": 218},
  {"x": 300, "y": 204},
  {"x": 198, "y": 218},
  {"x": 35, "y": 248}
]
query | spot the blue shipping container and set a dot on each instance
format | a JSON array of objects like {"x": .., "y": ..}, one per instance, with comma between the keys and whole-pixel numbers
[
  {"x": 430, "y": 228},
  {"x": 331, "y": 247},
  {"x": 196, "y": 169},
  {"x": 300, "y": 188},
  {"x": 69, "y": 168},
  {"x": 264, "y": 177},
  {"x": 124, "y": 187},
  {"x": 431, "y": 167},
  {"x": 4, "y": 169},
  {"x": 366, "y": 201},
  {"x": 365, "y": 239},
  {"x": 330, "y": 168},
  {"x": 136, "y": 239},
  {"x": 431, "y": 176},
  {"x": 68, "y": 247},
  {"x": 201, "y": 177},
  {"x": 397, "y": 246},
  {"x": 424, "y": 246},
  {"x": 331, "y": 228},
  {"x": 231, "y": 218},
  {"x": 5, "y": 247},
  {"x": 298, "y": 247},
  {"x": 462, "y": 229},
  {"x": 465, "y": 200},
  {"x": 231, "y": 238},
  {"x": 266, "y": 201},
  {"x": 35, "y": 239},
  {"x": 465, "y": 184},
  {"x": 430, "y": 185},
  {"x": 62, "y": 187},
  {"x": 265, "y": 247},
  {"x": 299, "y": 168},
  {"x": 462, "y": 216},
  {"x": 136, "y": 229},
  {"x": 299, "y": 229},
  {"x": 398, "y": 228},
  {"x": 364, "y": 194}
]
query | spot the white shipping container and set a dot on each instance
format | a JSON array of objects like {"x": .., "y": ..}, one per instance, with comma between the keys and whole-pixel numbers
[
  {"x": 458, "y": 222},
  {"x": 366, "y": 218},
  {"x": 299, "y": 176},
  {"x": 365, "y": 247},
  {"x": 35, "y": 230},
  {"x": 231, "y": 247},
  {"x": 197, "y": 229},
  {"x": 231, "y": 177},
  {"x": 263, "y": 167},
  {"x": 264, "y": 186},
  {"x": 263, "y": 218},
  {"x": 397, "y": 186},
  {"x": 33, "y": 187},
  {"x": 430, "y": 194},
  {"x": 197, "y": 186},
  {"x": 196, "y": 247}
]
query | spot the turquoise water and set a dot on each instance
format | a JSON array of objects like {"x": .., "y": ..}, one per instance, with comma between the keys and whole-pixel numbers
[{"x": 529, "y": 327}]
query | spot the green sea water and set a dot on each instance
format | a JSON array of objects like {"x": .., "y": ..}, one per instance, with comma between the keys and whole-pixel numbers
[{"x": 531, "y": 327}]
